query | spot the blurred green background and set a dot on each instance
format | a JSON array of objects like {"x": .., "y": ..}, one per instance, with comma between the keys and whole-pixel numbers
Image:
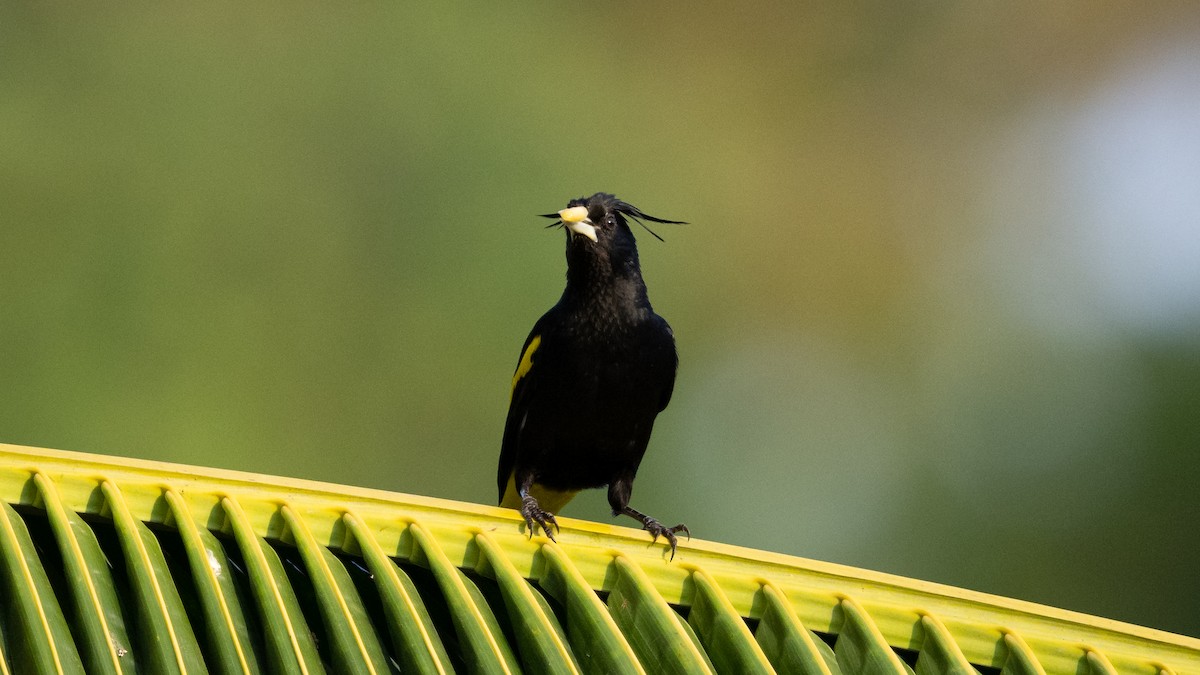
[{"x": 938, "y": 306}]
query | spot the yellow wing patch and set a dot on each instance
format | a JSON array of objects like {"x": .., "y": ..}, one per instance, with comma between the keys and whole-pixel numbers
[{"x": 526, "y": 363}]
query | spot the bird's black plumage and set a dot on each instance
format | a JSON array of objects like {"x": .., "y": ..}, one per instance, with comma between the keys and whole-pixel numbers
[{"x": 595, "y": 371}]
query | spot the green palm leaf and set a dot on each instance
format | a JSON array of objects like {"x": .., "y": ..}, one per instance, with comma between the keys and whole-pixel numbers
[
  {"x": 591, "y": 629},
  {"x": 290, "y": 644},
  {"x": 165, "y": 634},
  {"x": 100, "y": 626},
  {"x": 414, "y": 637},
  {"x": 228, "y": 633},
  {"x": 36, "y": 634},
  {"x": 789, "y": 645},
  {"x": 107, "y": 564}
]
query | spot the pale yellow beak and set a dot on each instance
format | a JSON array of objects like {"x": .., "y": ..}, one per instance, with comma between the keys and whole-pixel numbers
[{"x": 576, "y": 220}]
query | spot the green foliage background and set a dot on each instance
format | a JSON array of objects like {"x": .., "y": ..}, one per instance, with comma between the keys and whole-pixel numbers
[{"x": 938, "y": 307}]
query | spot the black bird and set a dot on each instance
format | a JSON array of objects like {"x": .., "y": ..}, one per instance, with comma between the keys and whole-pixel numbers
[{"x": 594, "y": 373}]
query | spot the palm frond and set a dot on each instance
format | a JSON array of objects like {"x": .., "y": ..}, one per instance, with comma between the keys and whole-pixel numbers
[{"x": 112, "y": 565}]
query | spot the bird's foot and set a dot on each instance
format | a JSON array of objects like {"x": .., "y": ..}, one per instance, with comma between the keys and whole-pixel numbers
[
  {"x": 657, "y": 529},
  {"x": 535, "y": 514}
]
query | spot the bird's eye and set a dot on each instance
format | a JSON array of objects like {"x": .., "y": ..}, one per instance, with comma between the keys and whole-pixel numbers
[{"x": 610, "y": 221}]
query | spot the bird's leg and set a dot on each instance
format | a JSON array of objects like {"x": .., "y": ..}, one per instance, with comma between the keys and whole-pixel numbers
[
  {"x": 619, "y": 492},
  {"x": 656, "y": 528},
  {"x": 534, "y": 513}
]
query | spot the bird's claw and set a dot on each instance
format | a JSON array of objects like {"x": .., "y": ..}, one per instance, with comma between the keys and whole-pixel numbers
[
  {"x": 535, "y": 514},
  {"x": 656, "y": 529}
]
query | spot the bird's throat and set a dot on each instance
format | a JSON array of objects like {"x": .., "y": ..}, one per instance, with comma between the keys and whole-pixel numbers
[{"x": 618, "y": 294}]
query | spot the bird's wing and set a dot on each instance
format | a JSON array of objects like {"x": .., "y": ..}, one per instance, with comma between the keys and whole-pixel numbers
[
  {"x": 523, "y": 384},
  {"x": 667, "y": 337}
]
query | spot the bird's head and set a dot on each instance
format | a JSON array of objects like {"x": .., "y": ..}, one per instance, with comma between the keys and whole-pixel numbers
[{"x": 601, "y": 219}]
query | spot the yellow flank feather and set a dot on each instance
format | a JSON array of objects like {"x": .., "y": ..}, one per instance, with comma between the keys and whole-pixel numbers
[
  {"x": 549, "y": 500},
  {"x": 526, "y": 362}
]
